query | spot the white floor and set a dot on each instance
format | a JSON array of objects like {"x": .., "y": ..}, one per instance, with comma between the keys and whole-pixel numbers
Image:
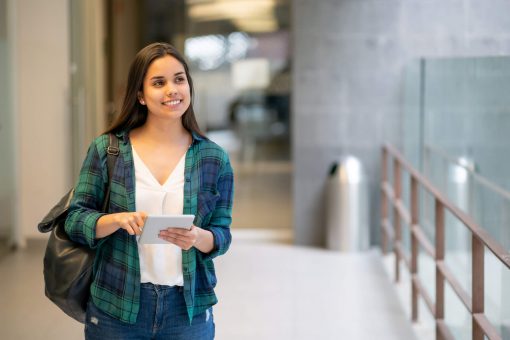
[
  {"x": 263, "y": 196},
  {"x": 266, "y": 291}
]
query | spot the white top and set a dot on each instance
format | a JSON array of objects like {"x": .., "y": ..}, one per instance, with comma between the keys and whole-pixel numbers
[{"x": 160, "y": 263}]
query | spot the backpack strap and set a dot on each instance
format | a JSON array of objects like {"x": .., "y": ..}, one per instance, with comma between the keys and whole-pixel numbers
[{"x": 112, "y": 152}]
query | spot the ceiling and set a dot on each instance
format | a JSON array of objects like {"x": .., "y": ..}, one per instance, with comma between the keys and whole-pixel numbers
[{"x": 225, "y": 16}]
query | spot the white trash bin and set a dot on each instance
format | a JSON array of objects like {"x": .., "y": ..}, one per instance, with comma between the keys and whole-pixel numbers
[{"x": 347, "y": 207}]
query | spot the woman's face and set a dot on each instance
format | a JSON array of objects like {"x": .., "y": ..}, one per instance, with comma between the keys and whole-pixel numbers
[{"x": 166, "y": 90}]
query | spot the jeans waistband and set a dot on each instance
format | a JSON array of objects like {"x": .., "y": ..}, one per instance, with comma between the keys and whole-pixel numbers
[{"x": 159, "y": 288}]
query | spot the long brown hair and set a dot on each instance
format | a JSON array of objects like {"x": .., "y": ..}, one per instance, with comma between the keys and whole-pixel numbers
[{"x": 133, "y": 114}]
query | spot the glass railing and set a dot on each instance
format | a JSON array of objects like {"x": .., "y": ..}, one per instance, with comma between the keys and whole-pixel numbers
[
  {"x": 489, "y": 206},
  {"x": 456, "y": 118},
  {"x": 461, "y": 106},
  {"x": 485, "y": 201}
]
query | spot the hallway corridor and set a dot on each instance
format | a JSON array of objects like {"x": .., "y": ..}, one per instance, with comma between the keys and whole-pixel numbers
[{"x": 266, "y": 291}]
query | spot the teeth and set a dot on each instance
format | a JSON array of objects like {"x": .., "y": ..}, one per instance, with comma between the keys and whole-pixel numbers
[{"x": 173, "y": 102}]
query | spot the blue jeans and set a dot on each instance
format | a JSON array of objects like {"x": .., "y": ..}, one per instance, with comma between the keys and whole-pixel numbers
[{"x": 162, "y": 315}]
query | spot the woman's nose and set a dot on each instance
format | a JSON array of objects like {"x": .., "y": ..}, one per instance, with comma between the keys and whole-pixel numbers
[{"x": 171, "y": 90}]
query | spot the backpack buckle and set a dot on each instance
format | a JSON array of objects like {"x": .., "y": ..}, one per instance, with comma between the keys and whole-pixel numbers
[{"x": 112, "y": 150}]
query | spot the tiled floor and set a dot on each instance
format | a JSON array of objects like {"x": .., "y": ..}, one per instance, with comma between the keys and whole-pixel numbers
[{"x": 266, "y": 291}]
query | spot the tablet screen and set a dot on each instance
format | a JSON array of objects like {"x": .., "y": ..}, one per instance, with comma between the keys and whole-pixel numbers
[{"x": 155, "y": 223}]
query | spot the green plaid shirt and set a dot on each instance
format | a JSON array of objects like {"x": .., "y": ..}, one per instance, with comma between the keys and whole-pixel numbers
[{"x": 208, "y": 194}]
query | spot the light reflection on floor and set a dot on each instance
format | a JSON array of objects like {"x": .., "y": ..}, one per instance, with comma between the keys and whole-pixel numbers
[{"x": 263, "y": 183}]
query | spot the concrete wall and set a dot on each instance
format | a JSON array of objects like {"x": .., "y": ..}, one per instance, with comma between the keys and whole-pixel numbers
[
  {"x": 349, "y": 58},
  {"x": 41, "y": 92}
]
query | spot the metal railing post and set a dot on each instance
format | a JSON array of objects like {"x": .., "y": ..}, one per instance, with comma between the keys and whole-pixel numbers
[
  {"x": 414, "y": 249},
  {"x": 384, "y": 201},
  {"x": 440, "y": 245},
  {"x": 477, "y": 289},
  {"x": 397, "y": 189}
]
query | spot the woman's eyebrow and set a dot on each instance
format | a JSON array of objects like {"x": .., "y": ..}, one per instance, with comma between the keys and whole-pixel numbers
[{"x": 162, "y": 77}]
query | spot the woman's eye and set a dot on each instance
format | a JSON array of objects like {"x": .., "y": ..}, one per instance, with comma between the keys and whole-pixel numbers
[
  {"x": 158, "y": 83},
  {"x": 180, "y": 79}
]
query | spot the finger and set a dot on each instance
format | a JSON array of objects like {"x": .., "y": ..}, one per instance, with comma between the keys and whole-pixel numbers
[
  {"x": 139, "y": 219},
  {"x": 128, "y": 219},
  {"x": 135, "y": 227},
  {"x": 184, "y": 242},
  {"x": 179, "y": 243},
  {"x": 144, "y": 215},
  {"x": 123, "y": 221},
  {"x": 138, "y": 229},
  {"x": 178, "y": 231},
  {"x": 129, "y": 229},
  {"x": 174, "y": 235},
  {"x": 168, "y": 239},
  {"x": 166, "y": 235}
]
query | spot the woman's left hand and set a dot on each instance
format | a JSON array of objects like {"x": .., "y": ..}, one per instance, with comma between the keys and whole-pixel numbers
[{"x": 182, "y": 238}]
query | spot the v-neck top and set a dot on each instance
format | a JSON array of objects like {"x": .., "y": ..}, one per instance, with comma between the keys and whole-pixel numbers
[{"x": 159, "y": 263}]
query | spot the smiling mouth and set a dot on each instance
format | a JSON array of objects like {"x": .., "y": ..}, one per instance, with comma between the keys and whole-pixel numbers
[{"x": 172, "y": 102}]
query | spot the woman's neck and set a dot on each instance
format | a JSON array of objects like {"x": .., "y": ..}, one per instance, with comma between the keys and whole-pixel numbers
[{"x": 172, "y": 132}]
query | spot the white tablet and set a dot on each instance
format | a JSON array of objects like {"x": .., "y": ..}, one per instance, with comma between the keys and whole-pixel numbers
[{"x": 155, "y": 223}]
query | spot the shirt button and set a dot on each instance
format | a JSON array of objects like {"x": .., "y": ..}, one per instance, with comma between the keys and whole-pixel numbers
[{"x": 188, "y": 180}]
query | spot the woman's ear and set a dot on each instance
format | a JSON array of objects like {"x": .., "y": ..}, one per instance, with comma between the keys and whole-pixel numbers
[{"x": 140, "y": 98}]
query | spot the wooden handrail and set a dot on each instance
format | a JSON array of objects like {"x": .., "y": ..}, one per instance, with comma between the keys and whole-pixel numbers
[
  {"x": 472, "y": 300},
  {"x": 487, "y": 327},
  {"x": 425, "y": 295},
  {"x": 443, "y": 332},
  {"x": 496, "y": 248},
  {"x": 402, "y": 254},
  {"x": 492, "y": 186},
  {"x": 423, "y": 240},
  {"x": 403, "y": 212},
  {"x": 455, "y": 284}
]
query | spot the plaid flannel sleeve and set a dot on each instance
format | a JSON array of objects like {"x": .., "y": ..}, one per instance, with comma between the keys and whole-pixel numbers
[
  {"x": 221, "y": 218},
  {"x": 86, "y": 205}
]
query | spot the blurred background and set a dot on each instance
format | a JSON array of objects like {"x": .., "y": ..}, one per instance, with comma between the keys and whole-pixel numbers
[
  {"x": 76, "y": 55},
  {"x": 287, "y": 87}
]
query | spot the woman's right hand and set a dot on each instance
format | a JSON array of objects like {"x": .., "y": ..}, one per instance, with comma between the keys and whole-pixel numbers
[{"x": 132, "y": 222}]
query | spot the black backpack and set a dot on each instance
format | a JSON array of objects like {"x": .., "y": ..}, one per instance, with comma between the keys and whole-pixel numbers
[{"x": 67, "y": 264}]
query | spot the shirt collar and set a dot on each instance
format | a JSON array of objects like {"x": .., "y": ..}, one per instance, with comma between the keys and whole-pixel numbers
[{"x": 124, "y": 136}]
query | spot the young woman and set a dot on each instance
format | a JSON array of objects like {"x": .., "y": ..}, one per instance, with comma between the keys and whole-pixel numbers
[{"x": 165, "y": 166}]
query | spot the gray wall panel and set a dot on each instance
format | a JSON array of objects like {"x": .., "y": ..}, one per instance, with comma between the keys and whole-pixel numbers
[{"x": 349, "y": 60}]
